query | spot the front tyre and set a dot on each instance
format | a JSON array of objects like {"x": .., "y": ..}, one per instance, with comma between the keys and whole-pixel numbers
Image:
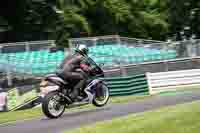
[
  {"x": 101, "y": 100},
  {"x": 52, "y": 106}
]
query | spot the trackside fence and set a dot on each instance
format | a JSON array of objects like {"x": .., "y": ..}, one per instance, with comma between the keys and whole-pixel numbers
[
  {"x": 172, "y": 81},
  {"x": 127, "y": 85}
]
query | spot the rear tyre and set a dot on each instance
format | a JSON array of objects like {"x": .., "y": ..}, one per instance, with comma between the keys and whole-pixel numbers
[
  {"x": 52, "y": 106},
  {"x": 101, "y": 100}
]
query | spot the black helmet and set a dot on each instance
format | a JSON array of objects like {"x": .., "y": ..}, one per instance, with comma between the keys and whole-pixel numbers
[{"x": 82, "y": 49}]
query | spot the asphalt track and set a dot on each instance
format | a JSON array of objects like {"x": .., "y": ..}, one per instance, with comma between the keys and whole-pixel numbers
[{"x": 76, "y": 119}]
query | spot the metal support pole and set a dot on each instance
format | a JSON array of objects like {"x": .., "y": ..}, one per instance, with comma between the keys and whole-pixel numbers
[
  {"x": 1, "y": 49},
  {"x": 95, "y": 41},
  {"x": 8, "y": 73},
  {"x": 53, "y": 43},
  {"x": 9, "y": 78},
  {"x": 193, "y": 48},
  {"x": 66, "y": 51},
  {"x": 122, "y": 69},
  {"x": 27, "y": 46},
  {"x": 70, "y": 45}
]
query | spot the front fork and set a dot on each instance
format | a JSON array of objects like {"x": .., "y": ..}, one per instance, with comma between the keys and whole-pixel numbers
[
  {"x": 91, "y": 89},
  {"x": 89, "y": 94}
]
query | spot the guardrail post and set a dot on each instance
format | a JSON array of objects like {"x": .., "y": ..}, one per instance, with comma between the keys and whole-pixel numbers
[
  {"x": 149, "y": 83},
  {"x": 166, "y": 66}
]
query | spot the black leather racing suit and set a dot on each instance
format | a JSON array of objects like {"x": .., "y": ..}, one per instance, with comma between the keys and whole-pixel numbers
[{"x": 68, "y": 71}]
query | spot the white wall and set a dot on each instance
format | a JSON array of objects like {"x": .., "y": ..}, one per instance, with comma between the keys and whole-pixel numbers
[{"x": 169, "y": 81}]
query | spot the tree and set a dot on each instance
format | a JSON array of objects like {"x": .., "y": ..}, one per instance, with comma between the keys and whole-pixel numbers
[
  {"x": 148, "y": 20},
  {"x": 184, "y": 14},
  {"x": 63, "y": 19},
  {"x": 69, "y": 21}
]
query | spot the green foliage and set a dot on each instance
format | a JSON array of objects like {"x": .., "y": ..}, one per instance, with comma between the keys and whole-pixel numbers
[
  {"x": 3, "y": 24},
  {"x": 69, "y": 22},
  {"x": 184, "y": 13},
  {"x": 63, "y": 19}
]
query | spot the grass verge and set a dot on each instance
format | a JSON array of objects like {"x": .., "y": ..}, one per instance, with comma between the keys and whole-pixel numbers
[
  {"x": 10, "y": 117},
  {"x": 182, "y": 118}
]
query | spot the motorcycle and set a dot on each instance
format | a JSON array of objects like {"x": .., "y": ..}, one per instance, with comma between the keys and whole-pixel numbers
[{"x": 55, "y": 92}]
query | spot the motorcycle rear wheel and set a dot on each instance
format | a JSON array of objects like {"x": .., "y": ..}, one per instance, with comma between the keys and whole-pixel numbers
[{"x": 52, "y": 106}]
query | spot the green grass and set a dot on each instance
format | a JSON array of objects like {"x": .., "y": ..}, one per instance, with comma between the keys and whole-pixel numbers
[
  {"x": 186, "y": 89},
  {"x": 10, "y": 117},
  {"x": 124, "y": 99},
  {"x": 175, "y": 119},
  {"x": 20, "y": 115}
]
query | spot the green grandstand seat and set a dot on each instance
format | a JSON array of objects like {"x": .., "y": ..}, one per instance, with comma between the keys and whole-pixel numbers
[{"x": 38, "y": 61}]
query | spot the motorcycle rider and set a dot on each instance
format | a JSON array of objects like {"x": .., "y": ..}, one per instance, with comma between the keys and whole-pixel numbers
[{"x": 69, "y": 68}]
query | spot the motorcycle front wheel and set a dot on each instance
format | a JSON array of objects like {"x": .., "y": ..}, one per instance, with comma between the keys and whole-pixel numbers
[
  {"x": 101, "y": 100},
  {"x": 52, "y": 106}
]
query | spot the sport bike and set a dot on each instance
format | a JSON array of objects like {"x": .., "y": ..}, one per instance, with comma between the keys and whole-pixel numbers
[{"x": 55, "y": 92}]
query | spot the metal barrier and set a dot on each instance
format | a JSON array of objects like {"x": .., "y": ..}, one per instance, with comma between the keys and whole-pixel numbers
[
  {"x": 131, "y": 85},
  {"x": 141, "y": 51},
  {"x": 25, "y": 46},
  {"x": 15, "y": 61},
  {"x": 118, "y": 51},
  {"x": 169, "y": 81}
]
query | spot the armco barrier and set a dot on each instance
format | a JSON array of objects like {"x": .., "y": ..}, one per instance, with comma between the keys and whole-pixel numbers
[
  {"x": 170, "y": 81},
  {"x": 127, "y": 85}
]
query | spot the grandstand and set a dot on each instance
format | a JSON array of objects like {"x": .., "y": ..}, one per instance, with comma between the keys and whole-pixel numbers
[
  {"x": 35, "y": 59},
  {"x": 44, "y": 62}
]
